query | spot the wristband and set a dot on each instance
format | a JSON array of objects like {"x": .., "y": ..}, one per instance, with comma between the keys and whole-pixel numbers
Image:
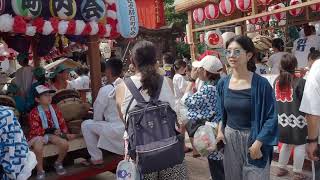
[{"x": 315, "y": 140}]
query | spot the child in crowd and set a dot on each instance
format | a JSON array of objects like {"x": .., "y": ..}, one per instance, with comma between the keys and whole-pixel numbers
[
  {"x": 47, "y": 125},
  {"x": 179, "y": 86},
  {"x": 168, "y": 61}
]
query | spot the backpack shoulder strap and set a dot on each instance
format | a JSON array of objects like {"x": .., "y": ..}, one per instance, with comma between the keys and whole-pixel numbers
[
  {"x": 134, "y": 90},
  {"x": 160, "y": 84}
]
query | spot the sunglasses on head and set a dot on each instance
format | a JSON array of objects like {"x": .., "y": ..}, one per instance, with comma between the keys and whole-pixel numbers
[{"x": 232, "y": 52}]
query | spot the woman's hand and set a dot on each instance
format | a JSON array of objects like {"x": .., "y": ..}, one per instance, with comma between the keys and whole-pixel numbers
[
  {"x": 220, "y": 137},
  {"x": 194, "y": 73},
  {"x": 255, "y": 150}
]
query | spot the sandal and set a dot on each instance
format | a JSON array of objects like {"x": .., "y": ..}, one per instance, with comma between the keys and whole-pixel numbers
[
  {"x": 282, "y": 172},
  {"x": 298, "y": 176}
]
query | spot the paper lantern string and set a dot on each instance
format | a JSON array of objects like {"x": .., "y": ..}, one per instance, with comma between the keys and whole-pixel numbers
[{"x": 21, "y": 25}]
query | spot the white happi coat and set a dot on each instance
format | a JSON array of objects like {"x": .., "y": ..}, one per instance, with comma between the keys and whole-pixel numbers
[{"x": 106, "y": 123}]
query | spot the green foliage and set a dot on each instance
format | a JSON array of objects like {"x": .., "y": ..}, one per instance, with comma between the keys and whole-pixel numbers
[
  {"x": 172, "y": 16},
  {"x": 183, "y": 50}
]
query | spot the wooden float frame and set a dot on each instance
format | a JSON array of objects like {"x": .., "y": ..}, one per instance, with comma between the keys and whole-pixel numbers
[{"x": 190, "y": 5}]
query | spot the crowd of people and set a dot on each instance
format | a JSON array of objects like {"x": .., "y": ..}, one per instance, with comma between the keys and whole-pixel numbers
[{"x": 252, "y": 115}]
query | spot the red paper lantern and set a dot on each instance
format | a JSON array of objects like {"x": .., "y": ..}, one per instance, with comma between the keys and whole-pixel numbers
[
  {"x": 265, "y": 2},
  {"x": 227, "y": 7},
  {"x": 254, "y": 20},
  {"x": 198, "y": 15},
  {"x": 315, "y": 7},
  {"x": 244, "y": 5},
  {"x": 298, "y": 11},
  {"x": 212, "y": 11},
  {"x": 279, "y": 16}
]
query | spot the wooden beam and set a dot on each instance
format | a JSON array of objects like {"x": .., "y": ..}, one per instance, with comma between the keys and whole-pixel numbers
[
  {"x": 34, "y": 46},
  {"x": 254, "y": 7},
  {"x": 191, "y": 38},
  {"x": 95, "y": 66},
  {"x": 234, "y": 21}
]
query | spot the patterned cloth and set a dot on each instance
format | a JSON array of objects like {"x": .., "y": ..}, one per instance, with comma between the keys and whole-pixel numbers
[
  {"x": 14, "y": 148},
  {"x": 292, "y": 122},
  {"x": 36, "y": 128},
  {"x": 202, "y": 104},
  {"x": 178, "y": 172}
]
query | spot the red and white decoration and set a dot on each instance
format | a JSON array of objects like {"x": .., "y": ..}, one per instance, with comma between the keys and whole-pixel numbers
[
  {"x": 279, "y": 16},
  {"x": 212, "y": 11},
  {"x": 315, "y": 7},
  {"x": 265, "y": 2},
  {"x": 214, "y": 39},
  {"x": 244, "y": 5},
  {"x": 298, "y": 11},
  {"x": 254, "y": 20},
  {"x": 266, "y": 18},
  {"x": 18, "y": 24},
  {"x": 227, "y": 7},
  {"x": 201, "y": 38},
  {"x": 198, "y": 15}
]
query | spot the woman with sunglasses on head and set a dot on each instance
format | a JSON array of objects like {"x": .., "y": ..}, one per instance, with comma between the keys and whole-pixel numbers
[{"x": 249, "y": 125}]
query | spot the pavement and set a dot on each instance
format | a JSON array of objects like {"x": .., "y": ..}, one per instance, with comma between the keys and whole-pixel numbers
[{"x": 199, "y": 170}]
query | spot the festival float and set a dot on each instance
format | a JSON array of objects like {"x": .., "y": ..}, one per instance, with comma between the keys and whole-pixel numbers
[
  {"x": 55, "y": 28},
  {"x": 213, "y": 22},
  {"x": 261, "y": 20}
]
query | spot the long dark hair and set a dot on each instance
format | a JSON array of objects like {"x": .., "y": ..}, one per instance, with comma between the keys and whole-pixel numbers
[
  {"x": 246, "y": 44},
  {"x": 179, "y": 64},
  {"x": 144, "y": 59},
  {"x": 314, "y": 54},
  {"x": 288, "y": 65},
  {"x": 278, "y": 44}
]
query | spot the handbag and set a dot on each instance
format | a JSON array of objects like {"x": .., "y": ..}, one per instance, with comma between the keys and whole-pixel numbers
[{"x": 127, "y": 170}]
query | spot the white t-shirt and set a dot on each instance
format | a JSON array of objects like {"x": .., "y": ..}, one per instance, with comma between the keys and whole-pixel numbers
[
  {"x": 274, "y": 62},
  {"x": 82, "y": 82},
  {"x": 166, "y": 94},
  {"x": 302, "y": 46},
  {"x": 262, "y": 69},
  {"x": 310, "y": 103},
  {"x": 179, "y": 86}
]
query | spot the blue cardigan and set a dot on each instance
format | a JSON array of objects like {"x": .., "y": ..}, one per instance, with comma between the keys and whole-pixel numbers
[{"x": 264, "y": 121}]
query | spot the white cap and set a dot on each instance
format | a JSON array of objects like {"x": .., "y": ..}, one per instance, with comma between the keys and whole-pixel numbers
[
  {"x": 43, "y": 89},
  {"x": 210, "y": 63}
]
